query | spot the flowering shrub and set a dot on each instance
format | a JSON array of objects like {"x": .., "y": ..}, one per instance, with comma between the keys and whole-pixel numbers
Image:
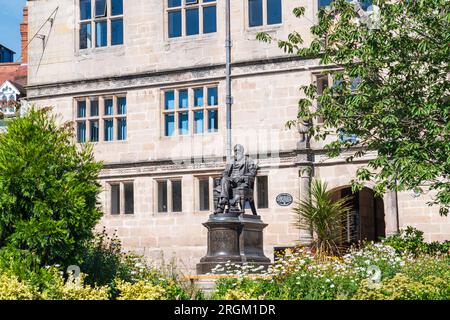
[{"x": 301, "y": 275}]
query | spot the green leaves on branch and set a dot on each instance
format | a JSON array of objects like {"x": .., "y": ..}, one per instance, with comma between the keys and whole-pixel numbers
[
  {"x": 391, "y": 89},
  {"x": 48, "y": 189}
]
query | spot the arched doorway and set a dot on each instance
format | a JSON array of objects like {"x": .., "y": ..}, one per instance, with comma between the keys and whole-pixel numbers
[{"x": 366, "y": 219}]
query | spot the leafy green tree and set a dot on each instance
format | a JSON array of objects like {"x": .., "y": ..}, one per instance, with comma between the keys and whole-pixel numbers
[
  {"x": 391, "y": 90},
  {"x": 48, "y": 189}
]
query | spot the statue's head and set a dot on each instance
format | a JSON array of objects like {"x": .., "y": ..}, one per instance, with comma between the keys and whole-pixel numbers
[{"x": 238, "y": 152}]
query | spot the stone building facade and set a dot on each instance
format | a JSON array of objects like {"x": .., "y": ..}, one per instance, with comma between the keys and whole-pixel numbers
[{"x": 145, "y": 82}]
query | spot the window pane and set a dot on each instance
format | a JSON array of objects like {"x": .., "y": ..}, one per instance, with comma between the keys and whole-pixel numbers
[
  {"x": 174, "y": 24},
  {"x": 85, "y": 9},
  {"x": 101, "y": 34},
  {"x": 212, "y": 121},
  {"x": 129, "y": 198},
  {"x": 169, "y": 100},
  {"x": 116, "y": 32},
  {"x": 169, "y": 124},
  {"x": 122, "y": 129},
  {"x": 198, "y": 97},
  {"x": 365, "y": 4},
  {"x": 183, "y": 125},
  {"x": 174, "y": 3},
  {"x": 81, "y": 109},
  {"x": 81, "y": 132},
  {"x": 85, "y": 35},
  {"x": 100, "y": 8},
  {"x": 109, "y": 130},
  {"x": 204, "y": 195},
  {"x": 116, "y": 7},
  {"x": 255, "y": 13},
  {"x": 324, "y": 3},
  {"x": 274, "y": 11},
  {"x": 121, "y": 105},
  {"x": 209, "y": 19},
  {"x": 109, "y": 107},
  {"x": 183, "y": 99},
  {"x": 162, "y": 196},
  {"x": 192, "y": 25},
  {"x": 115, "y": 199},
  {"x": 263, "y": 195},
  {"x": 94, "y": 108},
  {"x": 213, "y": 97},
  {"x": 176, "y": 197},
  {"x": 198, "y": 121},
  {"x": 94, "y": 131}
]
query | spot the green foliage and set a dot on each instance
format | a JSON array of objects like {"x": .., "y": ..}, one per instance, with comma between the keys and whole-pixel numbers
[
  {"x": 306, "y": 276},
  {"x": 410, "y": 240},
  {"x": 13, "y": 289},
  {"x": 391, "y": 90},
  {"x": 48, "y": 189},
  {"x": 103, "y": 260},
  {"x": 325, "y": 217},
  {"x": 140, "y": 290},
  {"x": 401, "y": 287}
]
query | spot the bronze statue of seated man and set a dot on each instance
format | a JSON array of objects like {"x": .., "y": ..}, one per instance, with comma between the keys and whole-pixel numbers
[{"x": 236, "y": 184}]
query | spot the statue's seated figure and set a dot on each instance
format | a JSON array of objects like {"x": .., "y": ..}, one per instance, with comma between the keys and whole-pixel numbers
[{"x": 236, "y": 186}]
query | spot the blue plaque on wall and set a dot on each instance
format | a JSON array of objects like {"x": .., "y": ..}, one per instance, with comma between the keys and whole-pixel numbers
[{"x": 284, "y": 199}]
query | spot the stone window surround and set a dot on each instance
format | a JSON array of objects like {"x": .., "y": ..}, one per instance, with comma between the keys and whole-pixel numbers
[
  {"x": 264, "y": 27},
  {"x": 169, "y": 181},
  {"x": 190, "y": 109},
  {"x": 92, "y": 20},
  {"x": 316, "y": 77},
  {"x": 198, "y": 178},
  {"x": 183, "y": 36},
  {"x": 101, "y": 116},
  {"x": 108, "y": 208}
]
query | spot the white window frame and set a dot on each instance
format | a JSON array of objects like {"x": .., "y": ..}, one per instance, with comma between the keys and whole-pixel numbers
[
  {"x": 92, "y": 21},
  {"x": 101, "y": 117},
  {"x": 190, "y": 109},
  {"x": 200, "y": 5}
]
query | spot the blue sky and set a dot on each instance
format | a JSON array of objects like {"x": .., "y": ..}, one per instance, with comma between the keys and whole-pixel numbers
[{"x": 10, "y": 19}]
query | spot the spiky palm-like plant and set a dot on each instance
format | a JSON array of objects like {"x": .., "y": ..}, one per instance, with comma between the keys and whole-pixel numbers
[{"x": 324, "y": 217}]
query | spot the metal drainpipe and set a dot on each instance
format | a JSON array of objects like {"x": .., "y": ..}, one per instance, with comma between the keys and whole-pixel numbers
[{"x": 229, "y": 97}]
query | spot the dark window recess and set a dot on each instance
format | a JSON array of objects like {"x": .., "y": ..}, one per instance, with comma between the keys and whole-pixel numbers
[
  {"x": 204, "y": 195},
  {"x": 209, "y": 19},
  {"x": 192, "y": 22},
  {"x": 255, "y": 13},
  {"x": 85, "y": 9},
  {"x": 274, "y": 12},
  {"x": 263, "y": 194},
  {"x": 116, "y": 32},
  {"x": 174, "y": 24},
  {"x": 162, "y": 196},
  {"x": 115, "y": 199},
  {"x": 324, "y": 3},
  {"x": 116, "y": 7},
  {"x": 176, "y": 196},
  {"x": 129, "y": 198},
  {"x": 94, "y": 131},
  {"x": 94, "y": 108},
  {"x": 100, "y": 8}
]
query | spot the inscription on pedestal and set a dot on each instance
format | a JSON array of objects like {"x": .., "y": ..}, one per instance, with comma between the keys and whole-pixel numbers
[{"x": 223, "y": 240}]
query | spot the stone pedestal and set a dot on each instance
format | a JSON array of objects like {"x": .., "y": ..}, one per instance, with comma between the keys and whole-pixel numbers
[{"x": 238, "y": 239}]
